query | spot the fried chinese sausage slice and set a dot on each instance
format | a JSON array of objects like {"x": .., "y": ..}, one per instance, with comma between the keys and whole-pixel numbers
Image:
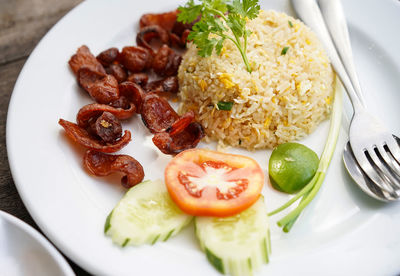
[
  {"x": 139, "y": 78},
  {"x": 165, "y": 20},
  {"x": 107, "y": 127},
  {"x": 180, "y": 33},
  {"x": 148, "y": 33},
  {"x": 186, "y": 139},
  {"x": 135, "y": 59},
  {"x": 84, "y": 58},
  {"x": 181, "y": 135},
  {"x": 210, "y": 183},
  {"x": 109, "y": 59},
  {"x": 168, "y": 84},
  {"x": 101, "y": 164},
  {"x": 133, "y": 92},
  {"x": 145, "y": 215},
  {"x": 166, "y": 62},
  {"x": 87, "y": 112},
  {"x": 237, "y": 245},
  {"x": 182, "y": 123},
  {"x": 177, "y": 30},
  {"x": 157, "y": 113},
  {"x": 108, "y": 56},
  {"x": 123, "y": 103},
  {"x": 104, "y": 126},
  {"x": 117, "y": 71},
  {"x": 179, "y": 41},
  {"x": 180, "y": 28},
  {"x": 101, "y": 87},
  {"x": 82, "y": 137},
  {"x": 173, "y": 133}
]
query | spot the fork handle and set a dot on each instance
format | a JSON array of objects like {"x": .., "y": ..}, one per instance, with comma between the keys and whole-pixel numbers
[
  {"x": 335, "y": 20},
  {"x": 309, "y": 12}
]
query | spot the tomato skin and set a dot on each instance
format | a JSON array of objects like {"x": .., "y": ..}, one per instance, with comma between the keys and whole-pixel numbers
[{"x": 208, "y": 204}]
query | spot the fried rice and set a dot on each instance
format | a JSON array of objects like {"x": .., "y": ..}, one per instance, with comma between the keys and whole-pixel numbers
[{"x": 283, "y": 99}]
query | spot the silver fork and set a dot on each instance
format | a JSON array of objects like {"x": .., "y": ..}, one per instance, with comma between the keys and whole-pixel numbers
[
  {"x": 375, "y": 149},
  {"x": 335, "y": 20}
]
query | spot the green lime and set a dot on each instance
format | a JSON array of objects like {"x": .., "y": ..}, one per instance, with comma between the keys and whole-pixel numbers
[{"x": 292, "y": 166}]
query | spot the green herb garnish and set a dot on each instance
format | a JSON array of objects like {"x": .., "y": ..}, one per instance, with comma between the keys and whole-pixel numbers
[
  {"x": 224, "y": 105},
  {"x": 290, "y": 24},
  {"x": 107, "y": 225},
  {"x": 213, "y": 15},
  {"x": 309, "y": 191},
  {"x": 284, "y": 50},
  {"x": 127, "y": 240}
]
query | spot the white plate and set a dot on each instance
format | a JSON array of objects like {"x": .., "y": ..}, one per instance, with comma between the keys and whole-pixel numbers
[
  {"x": 341, "y": 232},
  {"x": 24, "y": 251}
]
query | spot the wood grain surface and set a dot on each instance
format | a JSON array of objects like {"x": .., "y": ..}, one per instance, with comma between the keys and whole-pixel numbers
[{"x": 22, "y": 24}]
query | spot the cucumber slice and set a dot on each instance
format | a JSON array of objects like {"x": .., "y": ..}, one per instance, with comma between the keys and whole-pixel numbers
[
  {"x": 239, "y": 244},
  {"x": 146, "y": 214}
]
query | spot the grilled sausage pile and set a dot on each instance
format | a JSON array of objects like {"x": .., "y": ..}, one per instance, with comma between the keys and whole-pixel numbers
[{"x": 119, "y": 83}]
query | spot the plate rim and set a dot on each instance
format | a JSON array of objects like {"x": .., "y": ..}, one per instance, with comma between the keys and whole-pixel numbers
[{"x": 44, "y": 243}]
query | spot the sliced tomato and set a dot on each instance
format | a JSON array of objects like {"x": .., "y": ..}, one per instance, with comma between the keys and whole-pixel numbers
[{"x": 209, "y": 183}]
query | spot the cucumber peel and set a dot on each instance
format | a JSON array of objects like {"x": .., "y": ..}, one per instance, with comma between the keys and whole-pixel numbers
[
  {"x": 145, "y": 215},
  {"x": 239, "y": 244}
]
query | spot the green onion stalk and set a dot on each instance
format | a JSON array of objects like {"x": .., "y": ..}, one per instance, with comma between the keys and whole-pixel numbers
[{"x": 307, "y": 194}]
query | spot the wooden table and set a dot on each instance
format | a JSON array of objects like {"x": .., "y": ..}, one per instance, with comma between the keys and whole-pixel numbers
[{"x": 22, "y": 24}]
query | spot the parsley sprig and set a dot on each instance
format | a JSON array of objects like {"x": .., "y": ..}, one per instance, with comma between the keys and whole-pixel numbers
[{"x": 213, "y": 15}]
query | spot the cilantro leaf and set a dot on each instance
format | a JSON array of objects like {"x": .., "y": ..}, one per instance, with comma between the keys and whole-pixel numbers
[
  {"x": 216, "y": 26},
  {"x": 215, "y": 21},
  {"x": 189, "y": 13},
  {"x": 219, "y": 5},
  {"x": 205, "y": 47},
  {"x": 251, "y": 7},
  {"x": 245, "y": 8},
  {"x": 237, "y": 24},
  {"x": 237, "y": 7},
  {"x": 219, "y": 45}
]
